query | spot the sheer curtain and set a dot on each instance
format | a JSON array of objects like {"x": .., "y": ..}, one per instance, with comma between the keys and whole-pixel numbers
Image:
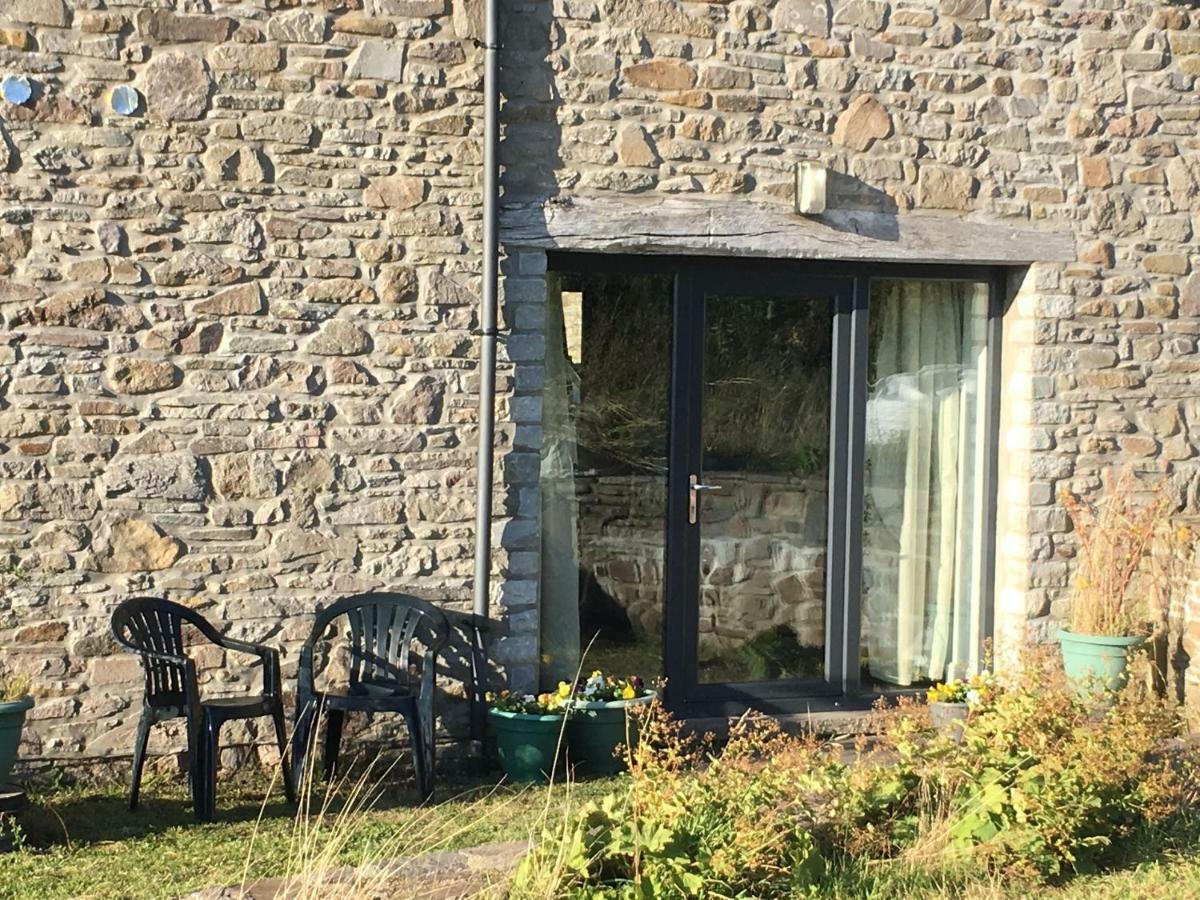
[
  {"x": 922, "y": 535},
  {"x": 560, "y": 506}
]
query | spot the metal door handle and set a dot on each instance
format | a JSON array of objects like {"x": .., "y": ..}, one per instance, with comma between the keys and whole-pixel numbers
[{"x": 694, "y": 489}]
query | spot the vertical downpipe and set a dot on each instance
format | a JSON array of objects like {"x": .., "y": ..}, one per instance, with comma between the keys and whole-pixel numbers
[{"x": 487, "y": 358}]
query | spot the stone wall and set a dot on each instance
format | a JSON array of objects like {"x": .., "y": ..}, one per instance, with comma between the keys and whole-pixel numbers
[
  {"x": 1064, "y": 116},
  {"x": 239, "y": 360}
]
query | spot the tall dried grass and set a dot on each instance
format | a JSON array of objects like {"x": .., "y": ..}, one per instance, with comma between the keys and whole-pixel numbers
[{"x": 1129, "y": 554}]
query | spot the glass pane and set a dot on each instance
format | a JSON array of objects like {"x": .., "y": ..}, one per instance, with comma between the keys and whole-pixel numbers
[
  {"x": 763, "y": 503},
  {"x": 605, "y": 411},
  {"x": 923, "y": 488}
]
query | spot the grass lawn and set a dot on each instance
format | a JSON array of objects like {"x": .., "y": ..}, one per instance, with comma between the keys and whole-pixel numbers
[
  {"x": 1170, "y": 875},
  {"x": 83, "y": 841}
]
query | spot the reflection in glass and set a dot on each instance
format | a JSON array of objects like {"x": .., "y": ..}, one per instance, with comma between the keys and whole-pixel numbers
[
  {"x": 763, "y": 525},
  {"x": 605, "y": 409},
  {"x": 923, "y": 490}
]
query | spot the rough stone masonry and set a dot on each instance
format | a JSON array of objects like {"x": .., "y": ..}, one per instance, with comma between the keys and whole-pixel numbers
[{"x": 239, "y": 366}]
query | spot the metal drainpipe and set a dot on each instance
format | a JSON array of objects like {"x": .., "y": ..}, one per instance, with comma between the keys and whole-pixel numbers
[{"x": 487, "y": 360}]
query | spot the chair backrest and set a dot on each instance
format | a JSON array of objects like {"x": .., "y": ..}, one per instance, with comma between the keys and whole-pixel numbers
[
  {"x": 383, "y": 627},
  {"x": 151, "y": 625}
]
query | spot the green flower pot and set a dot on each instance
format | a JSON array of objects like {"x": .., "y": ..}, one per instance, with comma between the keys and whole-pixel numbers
[
  {"x": 527, "y": 745},
  {"x": 12, "y": 720},
  {"x": 594, "y": 730},
  {"x": 1096, "y": 662}
]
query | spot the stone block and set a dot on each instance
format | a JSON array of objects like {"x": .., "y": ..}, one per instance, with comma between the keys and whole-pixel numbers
[
  {"x": 53, "y": 13},
  {"x": 340, "y": 337},
  {"x": 864, "y": 121},
  {"x": 139, "y": 375},
  {"x": 177, "y": 87},
  {"x": 166, "y": 27},
  {"x": 134, "y": 545},
  {"x": 168, "y": 477},
  {"x": 379, "y": 61},
  {"x": 299, "y": 26},
  {"x": 660, "y": 75}
]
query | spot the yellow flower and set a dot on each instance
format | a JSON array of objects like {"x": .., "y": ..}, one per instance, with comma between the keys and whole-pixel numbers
[
  {"x": 545, "y": 699},
  {"x": 629, "y": 693},
  {"x": 564, "y": 689}
]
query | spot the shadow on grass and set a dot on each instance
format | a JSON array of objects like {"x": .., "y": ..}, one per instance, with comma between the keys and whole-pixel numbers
[{"x": 98, "y": 813}]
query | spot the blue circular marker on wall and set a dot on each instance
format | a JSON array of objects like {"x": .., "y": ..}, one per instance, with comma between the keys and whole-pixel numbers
[
  {"x": 16, "y": 89},
  {"x": 124, "y": 100}
]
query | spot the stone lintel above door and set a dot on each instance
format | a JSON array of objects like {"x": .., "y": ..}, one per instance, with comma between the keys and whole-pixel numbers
[{"x": 740, "y": 227}]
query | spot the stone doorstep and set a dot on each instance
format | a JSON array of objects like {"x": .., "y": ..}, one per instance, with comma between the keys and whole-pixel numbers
[
  {"x": 445, "y": 875},
  {"x": 831, "y": 723}
]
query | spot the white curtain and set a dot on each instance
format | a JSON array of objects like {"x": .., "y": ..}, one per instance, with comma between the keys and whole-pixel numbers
[
  {"x": 560, "y": 507},
  {"x": 921, "y": 560}
]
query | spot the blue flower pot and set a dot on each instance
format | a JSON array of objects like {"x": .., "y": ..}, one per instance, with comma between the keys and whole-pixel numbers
[{"x": 1095, "y": 662}]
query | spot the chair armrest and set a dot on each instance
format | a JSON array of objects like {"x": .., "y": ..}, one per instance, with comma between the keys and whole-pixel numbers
[
  {"x": 259, "y": 650},
  {"x": 468, "y": 622},
  {"x": 272, "y": 683}
]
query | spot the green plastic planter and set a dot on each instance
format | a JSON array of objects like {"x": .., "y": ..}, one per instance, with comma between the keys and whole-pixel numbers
[
  {"x": 595, "y": 729},
  {"x": 12, "y": 720},
  {"x": 1095, "y": 662},
  {"x": 527, "y": 745}
]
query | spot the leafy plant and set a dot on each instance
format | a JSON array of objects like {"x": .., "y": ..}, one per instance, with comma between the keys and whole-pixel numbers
[
  {"x": 1049, "y": 786},
  {"x": 692, "y": 821},
  {"x": 1041, "y": 787}
]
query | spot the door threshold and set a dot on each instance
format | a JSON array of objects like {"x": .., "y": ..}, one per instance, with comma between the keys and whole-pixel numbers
[{"x": 828, "y": 723}]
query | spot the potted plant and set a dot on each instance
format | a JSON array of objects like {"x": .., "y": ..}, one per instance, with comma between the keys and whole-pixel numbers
[
  {"x": 598, "y": 719},
  {"x": 951, "y": 702},
  {"x": 1119, "y": 595},
  {"x": 14, "y": 703},
  {"x": 528, "y": 731}
]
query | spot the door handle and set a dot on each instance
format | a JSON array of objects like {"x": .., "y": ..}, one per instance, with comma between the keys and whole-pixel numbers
[{"x": 694, "y": 489}]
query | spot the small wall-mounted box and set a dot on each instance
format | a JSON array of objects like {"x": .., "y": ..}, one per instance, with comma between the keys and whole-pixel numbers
[{"x": 811, "y": 182}]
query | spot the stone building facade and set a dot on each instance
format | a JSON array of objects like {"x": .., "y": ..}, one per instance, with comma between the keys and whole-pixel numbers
[{"x": 239, "y": 350}]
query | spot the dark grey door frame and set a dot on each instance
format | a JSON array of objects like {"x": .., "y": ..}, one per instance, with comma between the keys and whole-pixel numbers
[{"x": 847, "y": 287}]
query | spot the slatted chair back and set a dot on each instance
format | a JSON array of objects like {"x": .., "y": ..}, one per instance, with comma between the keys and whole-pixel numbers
[
  {"x": 382, "y": 629},
  {"x": 153, "y": 628}
]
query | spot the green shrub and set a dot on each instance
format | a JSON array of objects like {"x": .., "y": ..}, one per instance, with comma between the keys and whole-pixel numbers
[
  {"x": 692, "y": 821},
  {"x": 1051, "y": 783},
  {"x": 1041, "y": 787}
]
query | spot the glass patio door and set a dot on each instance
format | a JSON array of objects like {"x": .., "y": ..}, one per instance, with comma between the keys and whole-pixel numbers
[
  {"x": 772, "y": 483},
  {"x": 760, "y": 437}
]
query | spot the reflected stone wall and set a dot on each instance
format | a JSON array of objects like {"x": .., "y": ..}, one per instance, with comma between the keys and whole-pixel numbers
[{"x": 762, "y": 554}]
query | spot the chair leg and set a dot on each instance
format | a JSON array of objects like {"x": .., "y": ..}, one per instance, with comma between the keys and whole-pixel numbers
[
  {"x": 302, "y": 734},
  {"x": 281, "y": 739},
  {"x": 333, "y": 740},
  {"x": 422, "y": 758},
  {"x": 208, "y": 774},
  {"x": 196, "y": 765},
  {"x": 139, "y": 756}
]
